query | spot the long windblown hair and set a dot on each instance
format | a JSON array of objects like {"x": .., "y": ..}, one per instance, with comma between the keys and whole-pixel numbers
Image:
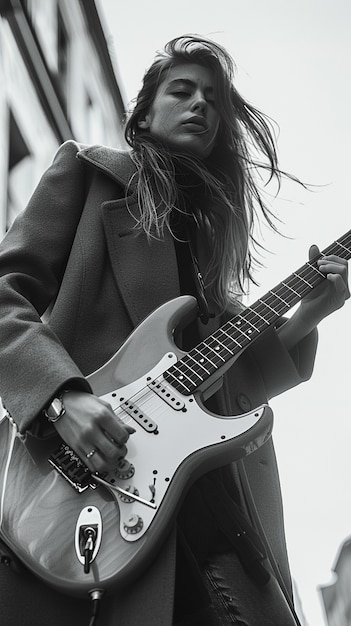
[{"x": 222, "y": 190}]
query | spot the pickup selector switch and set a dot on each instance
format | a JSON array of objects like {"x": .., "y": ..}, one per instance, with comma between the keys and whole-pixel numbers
[{"x": 133, "y": 524}]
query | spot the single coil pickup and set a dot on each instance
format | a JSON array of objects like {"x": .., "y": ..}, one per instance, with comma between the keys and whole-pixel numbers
[
  {"x": 143, "y": 420},
  {"x": 164, "y": 392},
  {"x": 70, "y": 466}
]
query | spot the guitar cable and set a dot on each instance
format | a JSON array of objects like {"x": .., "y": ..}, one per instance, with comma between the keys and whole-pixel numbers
[{"x": 95, "y": 597}]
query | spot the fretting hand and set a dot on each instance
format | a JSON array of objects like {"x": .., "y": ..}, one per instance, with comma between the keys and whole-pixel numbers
[
  {"x": 331, "y": 294},
  {"x": 327, "y": 297}
]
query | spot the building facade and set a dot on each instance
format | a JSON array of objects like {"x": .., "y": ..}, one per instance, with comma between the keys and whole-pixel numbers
[
  {"x": 336, "y": 597},
  {"x": 58, "y": 81}
]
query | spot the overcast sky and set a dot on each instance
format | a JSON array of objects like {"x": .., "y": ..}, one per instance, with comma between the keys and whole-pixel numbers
[{"x": 294, "y": 61}]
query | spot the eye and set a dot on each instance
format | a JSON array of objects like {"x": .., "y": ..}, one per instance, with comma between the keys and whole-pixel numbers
[{"x": 181, "y": 92}]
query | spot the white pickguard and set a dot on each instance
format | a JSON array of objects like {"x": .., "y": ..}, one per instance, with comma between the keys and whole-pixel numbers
[{"x": 181, "y": 432}]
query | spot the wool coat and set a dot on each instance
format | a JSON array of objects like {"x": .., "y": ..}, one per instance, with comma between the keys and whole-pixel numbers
[{"x": 76, "y": 276}]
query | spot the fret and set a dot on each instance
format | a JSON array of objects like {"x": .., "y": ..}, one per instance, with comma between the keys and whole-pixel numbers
[
  {"x": 233, "y": 339},
  {"x": 310, "y": 279},
  {"x": 276, "y": 295},
  {"x": 305, "y": 281},
  {"x": 236, "y": 334},
  {"x": 268, "y": 306},
  {"x": 295, "y": 282},
  {"x": 210, "y": 362},
  {"x": 261, "y": 317},
  {"x": 345, "y": 244},
  {"x": 216, "y": 352},
  {"x": 182, "y": 375},
  {"x": 200, "y": 362},
  {"x": 203, "y": 359},
  {"x": 237, "y": 326},
  {"x": 236, "y": 344},
  {"x": 315, "y": 269},
  {"x": 211, "y": 355},
  {"x": 343, "y": 247},
  {"x": 192, "y": 371},
  {"x": 287, "y": 296},
  {"x": 178, "y": 383},
  {"x": 291, "y": 289},
  {"x": 252, "y": 325},
  {"x": 223, "y": 345}
]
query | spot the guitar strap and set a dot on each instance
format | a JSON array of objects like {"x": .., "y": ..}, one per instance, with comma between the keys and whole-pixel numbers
[
  {"x": 235, "y": 526},
  {"x": 200, "y": 289},
  {"x": 251, "y": 506},
  {"x": 9, "y": 559},
  {"x": 184, "y": 228}
]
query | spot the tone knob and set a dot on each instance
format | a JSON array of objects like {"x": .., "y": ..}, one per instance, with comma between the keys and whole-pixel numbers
[
  {"x": 124, "y": 469},
  {"x": 132, "y": 490},
  {"x": 133, "y": 524}
]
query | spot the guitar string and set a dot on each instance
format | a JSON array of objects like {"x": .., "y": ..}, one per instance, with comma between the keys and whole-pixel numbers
[
  {"x": 305, "y": 278},
  {"x": 310, "y": 269}
]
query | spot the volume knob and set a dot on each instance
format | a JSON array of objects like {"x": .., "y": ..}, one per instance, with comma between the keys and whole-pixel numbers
[{"x": 133, "y": 524}]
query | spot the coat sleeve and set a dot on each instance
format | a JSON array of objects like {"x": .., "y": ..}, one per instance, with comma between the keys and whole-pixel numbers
[
  {"x": 279, "y": 368},
  {"x": 33, "y": 363}
]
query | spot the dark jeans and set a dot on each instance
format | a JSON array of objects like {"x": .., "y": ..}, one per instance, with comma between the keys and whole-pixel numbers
[{"x": 236, "y": 599}]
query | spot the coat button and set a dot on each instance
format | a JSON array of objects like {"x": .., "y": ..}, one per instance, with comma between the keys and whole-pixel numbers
[{"x": 244, "y": 402}]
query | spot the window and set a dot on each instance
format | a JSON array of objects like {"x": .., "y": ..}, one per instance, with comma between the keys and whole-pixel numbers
[
  {"x": 63, "y": 60},
  {"x": 19, "y": 172}
]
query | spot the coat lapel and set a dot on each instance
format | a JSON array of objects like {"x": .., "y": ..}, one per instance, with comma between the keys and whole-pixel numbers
[{"x": 145, "y": 270}]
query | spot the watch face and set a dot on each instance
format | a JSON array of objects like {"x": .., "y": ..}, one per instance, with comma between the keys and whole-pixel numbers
[{"x": 55, "y": 407}]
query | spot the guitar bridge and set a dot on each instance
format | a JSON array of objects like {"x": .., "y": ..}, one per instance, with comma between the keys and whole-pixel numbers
[{"x": 71, "y": 467}]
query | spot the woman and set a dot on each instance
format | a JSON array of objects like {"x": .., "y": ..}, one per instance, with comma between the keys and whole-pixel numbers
[{"x": 107, "y": 237}]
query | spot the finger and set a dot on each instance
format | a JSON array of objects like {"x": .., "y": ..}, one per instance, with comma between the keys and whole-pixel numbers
[
  {"x": 116, "y": 419},
  {"x": 341, "y": 288},
  {"x": 332, "y": 258},
  {"x": 333, "y": 267},
  {"x": 128, "y": 428},
  {"x": 117, "y": 430},
  {"x": 341, "y": 291},
  {"x": 94, "y": 460},
  {"x": 110, "y": 448},
  {"x": 313, "y": 252},
  {"x": 103, "y": 458}
]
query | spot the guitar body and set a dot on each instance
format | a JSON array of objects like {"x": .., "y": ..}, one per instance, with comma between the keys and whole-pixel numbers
[{"x": 176, "y": 440}]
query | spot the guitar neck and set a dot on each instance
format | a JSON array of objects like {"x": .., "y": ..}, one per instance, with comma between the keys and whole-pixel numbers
[{"x": 208, "y": 357}]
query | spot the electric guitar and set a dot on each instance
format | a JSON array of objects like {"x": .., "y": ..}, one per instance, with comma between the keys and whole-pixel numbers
[{"x": 79, "y": 531}]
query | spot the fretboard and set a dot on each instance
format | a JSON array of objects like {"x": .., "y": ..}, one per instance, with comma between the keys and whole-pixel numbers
[{"x": 212, "y": 354}]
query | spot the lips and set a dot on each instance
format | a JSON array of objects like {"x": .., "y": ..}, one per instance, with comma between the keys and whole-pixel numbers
[{"x": 197, "y": 121}]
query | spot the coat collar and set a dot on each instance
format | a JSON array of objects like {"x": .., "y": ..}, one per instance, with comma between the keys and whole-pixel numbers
[
  {"x": 117, "y": 164},
  {"x": 145, "y": 270}
]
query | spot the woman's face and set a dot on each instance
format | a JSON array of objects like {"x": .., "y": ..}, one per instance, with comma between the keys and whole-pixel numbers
[{"x": 183, "y": 114}]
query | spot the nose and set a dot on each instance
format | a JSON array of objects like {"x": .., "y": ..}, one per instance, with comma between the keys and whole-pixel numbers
[{"x": 199, "y": 103}]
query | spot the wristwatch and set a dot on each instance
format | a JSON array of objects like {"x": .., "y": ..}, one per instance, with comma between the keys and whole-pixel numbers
[{"x": 56, "y": 409}]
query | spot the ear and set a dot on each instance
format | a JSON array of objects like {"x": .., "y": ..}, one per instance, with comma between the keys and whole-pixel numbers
[{"x": 145, "y": 122}]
